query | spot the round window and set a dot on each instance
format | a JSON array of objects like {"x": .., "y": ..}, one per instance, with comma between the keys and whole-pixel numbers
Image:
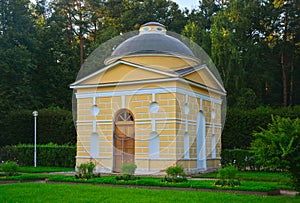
[
  {"x": 146, "y": 29},
  {"x": 94, "y": 110},
  {"x": 159, "y": 29},
  {"x": 154, "y": 107}
]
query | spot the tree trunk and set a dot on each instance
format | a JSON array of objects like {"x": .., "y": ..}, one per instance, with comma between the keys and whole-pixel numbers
[
  {"x": 284, "y": 80},
  {"x": 292, "y": 83},
  {"x": 81, "y": 50}
]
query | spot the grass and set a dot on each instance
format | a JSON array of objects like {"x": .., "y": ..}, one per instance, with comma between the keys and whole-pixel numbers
[
  {"x": 36, "y": 192},
  {"x": 150, "y": 181},
  {"x": 270, "y": 184},
  {"x": 43, "y": 169},
  {"x": 23, "y": 177},
  {"x": 34, "y": 173},
  {"x": 253, "y": 176},
  {"x": 95, "y": 192}
]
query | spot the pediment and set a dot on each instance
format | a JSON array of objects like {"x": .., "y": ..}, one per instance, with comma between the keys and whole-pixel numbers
[
  {"x": 122, "y": 71},
  {"x": 203, "y": 76}
]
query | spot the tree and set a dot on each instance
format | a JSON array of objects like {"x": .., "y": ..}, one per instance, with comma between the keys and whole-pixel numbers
[
  {"x": 281, "y": 32},
  {"x": 129, "y": 15},
  {"x": 244, "y": 59},
  {"x": 278, "y": 146},
  {"x": 17, "y": 50},
  {"x": 198, "y": 28}
]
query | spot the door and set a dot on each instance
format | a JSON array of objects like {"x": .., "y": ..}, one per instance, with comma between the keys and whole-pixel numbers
[{"x": 124, "y": 143}]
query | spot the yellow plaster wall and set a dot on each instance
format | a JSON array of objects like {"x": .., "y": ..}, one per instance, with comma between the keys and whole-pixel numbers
[{"x": 171, "y": 132}]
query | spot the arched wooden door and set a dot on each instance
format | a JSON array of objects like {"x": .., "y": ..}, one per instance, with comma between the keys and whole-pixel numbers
[{"x": 124, "y": 143}]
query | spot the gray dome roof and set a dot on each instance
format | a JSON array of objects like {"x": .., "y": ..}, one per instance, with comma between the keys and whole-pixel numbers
[{"x": 151, "y": 43}]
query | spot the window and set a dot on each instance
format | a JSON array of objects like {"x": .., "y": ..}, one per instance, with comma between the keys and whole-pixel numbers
[
  {"x": 94, "y": 145},
  {"x": 125, "y": 116},
  {"x": 153, "y": 145},
  {"x": 186, "y": 146},
  {"x": 213, "y": 146}
]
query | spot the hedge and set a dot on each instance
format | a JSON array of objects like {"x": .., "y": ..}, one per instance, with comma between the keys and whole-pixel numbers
[
  {"x": 47, "y": 155},
  {"x": 242, "y": 159},
  {"x": 240, "y": 124},
  {"x": 53, "y": 125}
]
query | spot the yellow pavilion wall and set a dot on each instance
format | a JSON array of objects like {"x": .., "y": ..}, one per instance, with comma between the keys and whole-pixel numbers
[{"x": 171, "y": 130}]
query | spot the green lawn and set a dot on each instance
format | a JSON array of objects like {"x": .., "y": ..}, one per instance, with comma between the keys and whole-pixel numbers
[
  {"x": 36, "y": 192},
  {"x": 250, "y": 181},
  {"x": 151, "y": 181},
  {"x": 43, "y": 169},
  {"x": 253, "y": 176}
]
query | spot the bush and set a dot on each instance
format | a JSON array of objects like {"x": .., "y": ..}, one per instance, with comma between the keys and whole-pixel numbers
[
  {"x": 240, "y": 124},
  {"x": 10, "y": 168},
  {"x": 228, "y": 172},
  {"x": 86, "y": 171},
  {"x": 127, "y": 171},
  {"x": 242, "y": 159},
  {"x": 175, "y": 174},
  {"x": 175, "y": 171},
  {"x": 47, "y": 155},
  {"x": 278, "y": 146},
  {"x": 53, "y": 125},
  {"x": 227, "y": 176}
]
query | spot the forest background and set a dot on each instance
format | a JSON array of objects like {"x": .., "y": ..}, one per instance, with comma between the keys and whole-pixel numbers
[{"x": 255, "y": 45}]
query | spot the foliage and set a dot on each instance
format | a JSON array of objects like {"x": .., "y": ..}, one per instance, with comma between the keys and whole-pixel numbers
[
  {"x": 128, "y": 169},
  {"x": 278, "y": 146},
  {"x": 128, "y": 172},
  {"x": 47, "y": 155},
  {"x": 242, "y": 159},
  {"x": 86, "y": 171},
  {"x": 53, "y": 125},
  {"x": 10, "y": 168},
  {"x": 175, "y": 174},
  {"x": 127, "y": 178},
  {"x": 240, "y": 124},
  {"x": 228, "y": 172},
  {"x": 227, "y": 177},
  {"x": 175, "y": 171}
]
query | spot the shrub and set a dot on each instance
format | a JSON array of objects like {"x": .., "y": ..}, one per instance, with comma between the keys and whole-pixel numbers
[
  {"x": 175, "y": 174},
  {"x": 86, "y": 171},
  {"x": 47, "y": 155},
  {"x": 10, "y": 168},
  {"x": 228, "y": 172},
  {"x": 241, "y": 158},
  {"x": 278, "y": 146},
  {"x": 240, "y": 124},
  {"x": 227, "y": 176},
  {"x": 128, "y": 169},
  {"x": 175, "y": 171},
  {"x": 53, "y": 125}
]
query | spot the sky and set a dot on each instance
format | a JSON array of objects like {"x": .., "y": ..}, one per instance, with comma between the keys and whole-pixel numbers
[{"x": 190, "y": 4}]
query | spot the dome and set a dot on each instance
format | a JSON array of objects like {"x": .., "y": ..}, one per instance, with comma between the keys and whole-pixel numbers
[{"x": 152, "y": 39}]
